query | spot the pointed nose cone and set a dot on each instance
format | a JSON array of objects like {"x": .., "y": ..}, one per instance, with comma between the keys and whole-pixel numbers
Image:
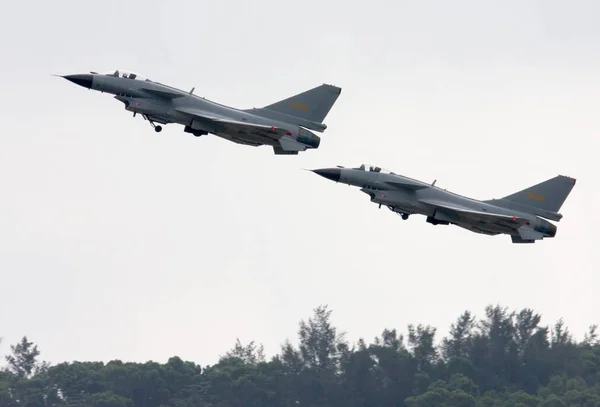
[
  {"x": 84, "y": 80},
  {"x": 329, "y": 173}
]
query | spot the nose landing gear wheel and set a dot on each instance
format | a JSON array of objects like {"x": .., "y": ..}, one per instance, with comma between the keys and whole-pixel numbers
[
  {"x": 404, "y": 216},
  {"x": 157, "y": 129}
]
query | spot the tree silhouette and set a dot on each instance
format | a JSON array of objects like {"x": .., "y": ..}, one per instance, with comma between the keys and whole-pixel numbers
[{"x": 505, "y": 358}]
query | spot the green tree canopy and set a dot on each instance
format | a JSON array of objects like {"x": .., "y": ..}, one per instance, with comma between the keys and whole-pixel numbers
[{"x": 502, "y": 359}]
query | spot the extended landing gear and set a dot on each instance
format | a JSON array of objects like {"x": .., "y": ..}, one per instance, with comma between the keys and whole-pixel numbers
[
  {"x": 157, "y": 129},
  {"x": 398, "y": 211},
  {"x": 434, "y": 221},
  {"x": 197, "y": 133}
]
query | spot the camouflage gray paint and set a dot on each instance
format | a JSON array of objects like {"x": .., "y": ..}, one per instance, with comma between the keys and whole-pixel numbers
[
  {"x": 519, "y": 215},
  {"x": 284, "y": 125}
]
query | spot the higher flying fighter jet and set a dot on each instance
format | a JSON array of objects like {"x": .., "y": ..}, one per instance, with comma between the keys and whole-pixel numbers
[
  {"x": 519, "y": 215},
  {"x": 284, "y": 125}
]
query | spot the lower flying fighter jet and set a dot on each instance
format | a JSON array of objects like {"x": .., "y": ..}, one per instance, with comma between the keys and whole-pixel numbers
[
  {"x": 518, "y": 215},
  {"x": 283, "y": 125}
]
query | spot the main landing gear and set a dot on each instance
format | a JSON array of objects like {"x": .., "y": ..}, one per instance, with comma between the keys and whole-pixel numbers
[
  {"x": 404, "y": 215},
  {"x": 197, "y": 133}
]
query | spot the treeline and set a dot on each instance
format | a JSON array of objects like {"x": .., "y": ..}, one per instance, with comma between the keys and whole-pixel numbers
[{"x": 502, "y": 359}]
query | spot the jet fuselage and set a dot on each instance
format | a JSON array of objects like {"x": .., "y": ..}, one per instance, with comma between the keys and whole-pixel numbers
[
  {"x": 407, "y": 196},
  {"x": 160, "y": 103}
]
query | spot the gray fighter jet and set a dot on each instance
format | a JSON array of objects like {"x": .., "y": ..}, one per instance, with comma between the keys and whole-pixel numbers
[
  {"x": 518, "y": 215},
  {"x": 284, "y": 125}
]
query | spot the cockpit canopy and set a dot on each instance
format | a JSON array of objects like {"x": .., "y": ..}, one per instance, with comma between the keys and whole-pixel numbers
[
  {"x": 373, "y": 168},
  {"x": 126, "y": 74}
]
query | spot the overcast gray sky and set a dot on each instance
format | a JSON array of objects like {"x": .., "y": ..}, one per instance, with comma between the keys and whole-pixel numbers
[{"x": 117, "y": 242}]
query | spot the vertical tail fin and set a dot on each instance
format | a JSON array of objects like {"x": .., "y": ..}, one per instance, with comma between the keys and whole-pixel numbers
[
  {"x": 307, "y": 109},
  {"x": 547, "y": 197}
]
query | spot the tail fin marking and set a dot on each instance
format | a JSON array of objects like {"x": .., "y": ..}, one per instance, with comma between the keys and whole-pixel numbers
[
  {"x": 544, "y": 199},
  {"x": 312, "y": 105},
  {"x": 548, "y": 195}
]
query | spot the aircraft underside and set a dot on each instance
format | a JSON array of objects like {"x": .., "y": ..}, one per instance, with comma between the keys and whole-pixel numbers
[
  {"x": 152, "y": 119},
  {"x": 475, "y": 229},
  {"x": 257, "y": 136},
  {"x": 404, "y": 213},
  {"x": 247, "y": 139},
  {"x": 481, "y": 228}
]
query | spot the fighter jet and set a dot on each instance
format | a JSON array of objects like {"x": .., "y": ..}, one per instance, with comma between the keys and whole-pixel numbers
[
  {"x": 519, "y": 215},
  {"x": 284, "y": 125}
]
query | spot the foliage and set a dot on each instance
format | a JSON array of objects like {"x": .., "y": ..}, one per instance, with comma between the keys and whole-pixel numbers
[{"x": 505, "y": 359}]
